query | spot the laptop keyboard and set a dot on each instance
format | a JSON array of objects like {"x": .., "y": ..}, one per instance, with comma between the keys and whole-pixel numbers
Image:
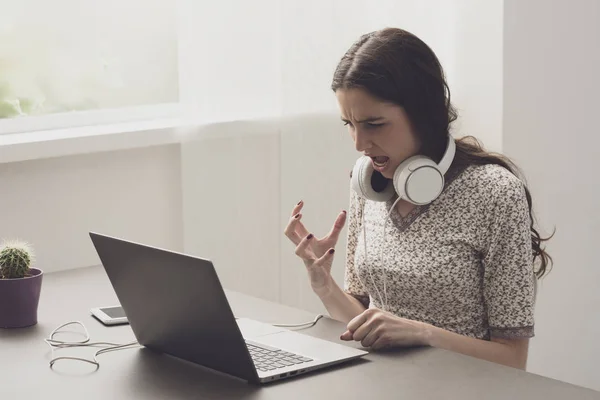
[{"x": 267, "y": 359}]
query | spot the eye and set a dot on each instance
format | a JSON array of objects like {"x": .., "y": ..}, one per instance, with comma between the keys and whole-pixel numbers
[
  {"x": 372, "y": 125},
  {"x": 346, "y": 123}
]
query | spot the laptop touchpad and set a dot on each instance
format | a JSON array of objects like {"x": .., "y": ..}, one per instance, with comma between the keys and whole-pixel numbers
[{"x": 253, "y": 329}]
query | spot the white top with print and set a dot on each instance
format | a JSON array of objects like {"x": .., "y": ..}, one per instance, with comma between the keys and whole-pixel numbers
[{"x": 463, "y": 263}]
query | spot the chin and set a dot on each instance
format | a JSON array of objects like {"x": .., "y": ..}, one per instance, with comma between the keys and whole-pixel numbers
[{"x": 389, "y": 170}]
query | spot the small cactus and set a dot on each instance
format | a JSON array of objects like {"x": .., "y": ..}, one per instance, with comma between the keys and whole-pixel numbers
[{"x": 15, "y": 260}]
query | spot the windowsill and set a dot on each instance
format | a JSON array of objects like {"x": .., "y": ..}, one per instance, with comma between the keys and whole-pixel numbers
[
  {"x": 110, "y": 137},
  {"x": 61, "y": 142}
]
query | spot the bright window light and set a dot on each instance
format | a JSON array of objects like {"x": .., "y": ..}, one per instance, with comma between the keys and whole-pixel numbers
[{"x": 79, "y": 62}]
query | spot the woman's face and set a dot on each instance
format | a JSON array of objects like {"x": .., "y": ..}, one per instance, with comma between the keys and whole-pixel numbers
[{"x": 380, "y": 130}]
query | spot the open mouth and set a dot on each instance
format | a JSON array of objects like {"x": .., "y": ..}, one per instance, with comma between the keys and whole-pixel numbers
[{"x": 380, "y": 162}]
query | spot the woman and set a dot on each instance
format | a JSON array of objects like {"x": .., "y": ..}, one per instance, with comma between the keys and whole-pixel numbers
[{"x": 455, "y": 273}]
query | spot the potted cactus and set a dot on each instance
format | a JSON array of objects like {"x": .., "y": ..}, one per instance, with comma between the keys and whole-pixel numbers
[{"x": 20, "y": 285}]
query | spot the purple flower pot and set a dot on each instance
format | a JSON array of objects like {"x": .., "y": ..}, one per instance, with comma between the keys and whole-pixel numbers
[{"x": 19, "y": 299}]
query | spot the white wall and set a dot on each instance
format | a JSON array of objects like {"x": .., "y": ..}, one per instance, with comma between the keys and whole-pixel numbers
[
  {"x": 54, "y": 203},
  {"x": 231, "y": 204},
  {"x": 475, "y": 75},
  {"x": 276, "y": 58},
  {"x": 228, "y": 58},
  {"x": 551, "y": 103}
]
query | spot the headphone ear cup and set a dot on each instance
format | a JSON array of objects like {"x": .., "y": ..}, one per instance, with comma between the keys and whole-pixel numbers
[
  {"x": 362, "y": 181},
  {"x": 418, "y": 180}
]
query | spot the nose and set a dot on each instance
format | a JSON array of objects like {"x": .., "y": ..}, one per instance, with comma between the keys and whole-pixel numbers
[{"x": 361, "y": 141}]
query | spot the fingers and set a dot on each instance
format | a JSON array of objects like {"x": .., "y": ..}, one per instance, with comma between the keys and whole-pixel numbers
[
  {"x": 300, "y": 229},
  {"x": 365, "y": 328},
  {"x": 357, "y": 321},
  {"x": 382, "y": 342},
  {"x": 294, "y": 229},
  {"x": 353, "y": 325},
  {"x": 359, "y": 326},
  {"x": 361, "y": 332},
  {"x": 338, "y": 225},
  {"x": 357, "y": 334},
  {"x": 373, "y": 337},
  {"x": 325, "y": 260},
  {"x": 303, "y": 250},
  {"x": 370, "y": 338},
  {"x": 297, "y": 208},
  {"x": 346, "y": 336}
]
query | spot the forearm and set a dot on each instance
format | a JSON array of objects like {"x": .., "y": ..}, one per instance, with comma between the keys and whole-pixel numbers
[
  {"x": 340, "y": 305},
  {"x": 510, "y": 353}
]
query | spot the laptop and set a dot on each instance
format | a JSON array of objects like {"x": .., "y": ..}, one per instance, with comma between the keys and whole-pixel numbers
[{"x": 176, "y": 305}]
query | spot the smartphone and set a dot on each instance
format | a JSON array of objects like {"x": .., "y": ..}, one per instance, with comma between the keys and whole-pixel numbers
[{"x": 113, "y": 315}]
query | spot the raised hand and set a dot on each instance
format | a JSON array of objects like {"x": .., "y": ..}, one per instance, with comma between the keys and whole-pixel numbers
[{"x": 316, "y": 253}]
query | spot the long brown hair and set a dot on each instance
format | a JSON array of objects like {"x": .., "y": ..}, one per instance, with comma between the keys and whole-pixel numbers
[{"x": 396, "y": 66}]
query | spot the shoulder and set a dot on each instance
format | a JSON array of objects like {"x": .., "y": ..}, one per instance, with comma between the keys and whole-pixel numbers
[{"x": 491, "y": 182}]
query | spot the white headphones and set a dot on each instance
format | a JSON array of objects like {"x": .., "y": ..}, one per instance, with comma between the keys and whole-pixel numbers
[{"x": 418, "y": 180}]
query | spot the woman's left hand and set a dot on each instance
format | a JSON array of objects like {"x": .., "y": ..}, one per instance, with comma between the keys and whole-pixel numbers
[{"x": 379, "y": 329}]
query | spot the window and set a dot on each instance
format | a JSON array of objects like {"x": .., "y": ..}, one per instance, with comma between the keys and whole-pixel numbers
[
  {"x": 67, "y": 63},
  {"x": 72, "y": 62}
]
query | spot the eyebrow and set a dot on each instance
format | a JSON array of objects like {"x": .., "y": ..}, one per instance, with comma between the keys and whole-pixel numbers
[{"x": 368, "y": 119}]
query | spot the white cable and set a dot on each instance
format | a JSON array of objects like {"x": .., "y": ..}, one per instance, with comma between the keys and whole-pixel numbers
[
  {"x": 82, "y": 343},
  {"x": 61, "y": 344},
  {"x": 306, "y": 324},
  {"x": 381, "y": 258},
  {"x": 383, "y": 304},
  {"x": 311, "y": 323},
  {"x": 366, "y": 261}
]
